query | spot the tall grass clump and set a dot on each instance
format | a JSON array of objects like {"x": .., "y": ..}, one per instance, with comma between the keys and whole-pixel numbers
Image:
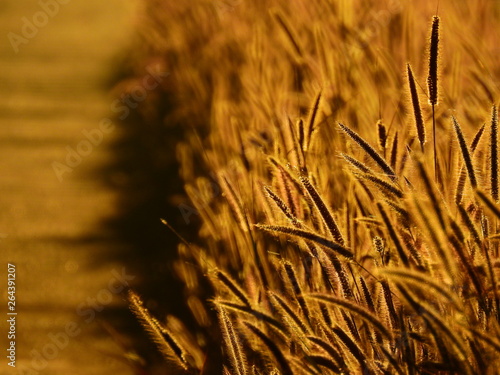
[{"x": 325, "y": 245}]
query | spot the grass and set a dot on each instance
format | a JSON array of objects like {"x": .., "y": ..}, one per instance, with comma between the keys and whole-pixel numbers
[{"x": 330, "y": 248}]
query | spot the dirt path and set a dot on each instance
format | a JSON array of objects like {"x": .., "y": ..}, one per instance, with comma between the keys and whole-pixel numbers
[{"x": 51, "y": 92}]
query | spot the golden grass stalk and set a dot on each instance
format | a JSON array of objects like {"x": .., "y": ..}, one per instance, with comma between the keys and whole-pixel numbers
[
  {"x": 382, "y": 135},
  {"x": 394, "y": 150},
  {"x": 394, "y": 237},
  {"x": 295, "y": 323},
  {"x": 360, "y": 311},
  {"x": 271, "y": 348},
  {"x": 259, "y": 315},
  {"x": 325, "y": 213},
  {"x": 462, "y": 174},
  {"x": 232, "y": 286},
  {"x": 417, "y": 111},
  {"x": 310, "y": 236},
  {"x": 494, "y": 153},
  {"x": 356, "y": 163},
  {"x": 288, "y": 30},
  {"x": 432, "y": 79},
  {"x": 487, "y": 338},
  {"x": 489, "y": 203},
  {"x": 465, "y": 153},
  {"x": 324, "y": 361},
  {"x": 297, "y": 290},
  {"x": 384, "y": 186},
  {"x": 421, "y": 280},
  {"x": 234, "y": 203},
  {"x": 370, "y": 151},
  {"x": 378, "y": 244},
  {"x": 389, "y": 302},
  {"x": 353, "y": 348},
  {"x": 432, "y": 82},
  {"x": 434, "y": 318},
  {"x": 467, "y": 263},
  {"x": 333, "y": 261},
  {"x": 311, "y": 122},
  {"x": 432, "y": 194},
  {"x": 393, "y": 361},
  {"x": 282, "y": 206},
  {"x": 467, "y": 220},
  {"x": 366, "y": 294},
  {"x": 233, "y": 343},
  {"x": 297, "y": 152},
  {"x": 442, "y": 250},
  {"x": 166, "y": 343},
  {"x": 403, "y": 214},
  {"x": 332, "y": 352}
]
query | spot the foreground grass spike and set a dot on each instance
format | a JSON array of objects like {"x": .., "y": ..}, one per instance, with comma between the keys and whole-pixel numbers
[
  {"x": 360, "y": 311},
  {"x": 259, "y": 315},
  {"x": 394, "y": 237},
  {"x": 297, "y": 290},
  {"x": 356, "y": 163},
  {"x": 417, "y": 111},
  {"x": 382, "y": 135},
  {"x": 293, "y": 321},
  {"x": 465, "y": 153},
  {"x": 271, "y": 347},
  {"x": 325, "y": 213},
  {"x": 432, "y": 83},
  {"x": 433, "y": 196},
  {"x": 282, "y": 206},
  {"x": 434, "y": 318},
  {"x": 385, "y": 187},
  {"x": 353, "y": 348},
  {"x": 165, "y": 341},
  {"x": 233, "y": 287},
  {"x": 309, "y": 236},
  {"x": 494, "y": 153},
  {"x": 233, "y": 343},
  {"x": 311, "y": 122},
  {"x": 234, "y": 202},
  {"x": 462, "y": 174},
  {"x": 489, "y": 203},
  {"x": 420, "y": 280},
  {"x": 432, "y": 79},
  {"x": 370, "y": 151},
  {"x": 394, "y": 150}
]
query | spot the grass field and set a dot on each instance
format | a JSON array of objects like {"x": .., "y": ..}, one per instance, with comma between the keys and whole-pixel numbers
[{"x": 341, "y": 162}]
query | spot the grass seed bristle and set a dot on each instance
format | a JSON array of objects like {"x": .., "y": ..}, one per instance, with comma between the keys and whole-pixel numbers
[
  {"x": 417, "y": 111},
  {"x": 432, "y": 79},
  {"x": 465, "y": 153},
  {"x": 494, "y": 153},
  {"x": 370, "y": 151}
]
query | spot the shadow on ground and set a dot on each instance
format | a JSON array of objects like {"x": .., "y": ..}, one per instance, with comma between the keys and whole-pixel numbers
[{"x": 144, "y": 173}]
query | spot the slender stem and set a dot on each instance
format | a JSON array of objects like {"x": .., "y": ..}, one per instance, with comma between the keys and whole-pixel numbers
[{"x": 434, "y": 142}]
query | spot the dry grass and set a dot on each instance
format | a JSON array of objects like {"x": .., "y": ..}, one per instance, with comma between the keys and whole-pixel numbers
[{"x": 330, "y": 249}]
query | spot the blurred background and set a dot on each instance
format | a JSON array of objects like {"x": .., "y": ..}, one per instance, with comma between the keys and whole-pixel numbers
[{"x": 62, "y": 187}]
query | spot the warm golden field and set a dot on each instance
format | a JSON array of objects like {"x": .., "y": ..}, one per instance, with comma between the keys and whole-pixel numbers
[{"x": 347, "y": 208}]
